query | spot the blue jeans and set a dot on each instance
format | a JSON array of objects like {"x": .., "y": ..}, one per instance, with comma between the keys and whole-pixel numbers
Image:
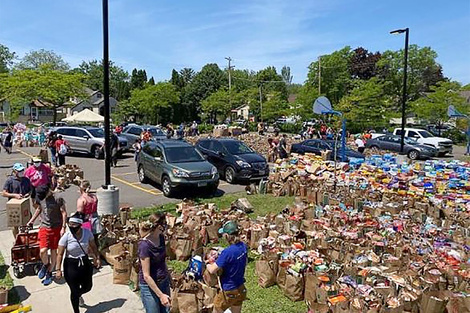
[
  {"x": 150, "y": 300},
  {"x": 53, "y": 159},
  {"x": 468, "y": 147}
]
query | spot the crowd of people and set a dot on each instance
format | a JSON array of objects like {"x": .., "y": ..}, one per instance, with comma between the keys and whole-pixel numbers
[{"x": 68, "y": 243}]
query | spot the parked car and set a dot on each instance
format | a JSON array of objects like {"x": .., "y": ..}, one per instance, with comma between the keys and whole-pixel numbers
[
  {"x": 51, "y": 124},
  {"x": 443, "y": 145},
  {"x": 316, "y": 146},
  {"x": 88, "y": 139},
  {"x": 411, "y": 148},
  {"x": 233, "y": 159},
  {"x": 132, "y": 132},
  {"x": 175, "y": 164}
]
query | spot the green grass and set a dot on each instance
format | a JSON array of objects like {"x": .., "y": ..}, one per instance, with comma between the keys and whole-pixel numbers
[
  {"x": 260, "y": 300},
  {"x": 263, "y": 204},
  {"x": 7, "y": 282}
]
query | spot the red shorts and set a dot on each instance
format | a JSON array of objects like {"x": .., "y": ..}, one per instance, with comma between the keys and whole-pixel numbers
[{"x": 49, "y": 237}]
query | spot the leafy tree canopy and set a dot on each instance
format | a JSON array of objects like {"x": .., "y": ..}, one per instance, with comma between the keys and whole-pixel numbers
[
  {"x": 6, "y": 58},
  {"x": 36, "y": 59}
]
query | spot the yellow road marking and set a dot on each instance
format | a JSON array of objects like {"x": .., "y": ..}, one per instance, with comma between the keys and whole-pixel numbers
[
  {"x": 24, "y": 153},
  {"x": 16, "y": 159},
  {"x": 124, "y": 174},
  {"x": 136, "y": 187}
]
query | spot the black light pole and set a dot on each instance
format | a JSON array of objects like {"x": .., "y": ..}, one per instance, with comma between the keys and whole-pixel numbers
[
  {"x": 403, "y": 104},
  {"x": 107, "y": 126}
]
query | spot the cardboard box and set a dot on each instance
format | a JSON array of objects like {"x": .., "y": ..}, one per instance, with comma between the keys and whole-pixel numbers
[{"x": 18, "y": 212}]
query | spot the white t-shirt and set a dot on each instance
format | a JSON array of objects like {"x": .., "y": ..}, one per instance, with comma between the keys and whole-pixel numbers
[
  {"x": 359, "y": 143},
  {"x": 72, "y": 248}
]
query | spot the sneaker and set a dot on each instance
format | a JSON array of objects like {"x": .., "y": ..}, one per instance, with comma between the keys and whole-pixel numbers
[
  {"x": 48, "y": 280},
  {"x": 42, "y": 272},
  {"x": 81, "y": 302}
]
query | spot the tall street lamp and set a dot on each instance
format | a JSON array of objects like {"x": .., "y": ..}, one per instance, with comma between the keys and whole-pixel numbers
[
  {"x": 107, "y": 126},
  {"x": 403, "y": 104}
]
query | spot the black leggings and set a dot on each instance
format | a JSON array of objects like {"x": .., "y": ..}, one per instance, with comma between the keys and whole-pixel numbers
[{"x": 78, "y": 275}]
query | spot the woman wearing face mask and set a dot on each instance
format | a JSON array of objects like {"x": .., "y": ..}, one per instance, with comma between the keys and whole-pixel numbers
[
  {"x": 78, "y": 270},
  {"x": 88, "y": 205},
  {"x": 154, "y": 278},
  {"x": 39, "y": 174}
]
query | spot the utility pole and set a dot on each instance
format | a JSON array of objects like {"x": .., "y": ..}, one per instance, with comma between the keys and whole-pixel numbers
[
  {"x": 261, "y": 101},
  {"x": 229, "y": 59},
  {"x": 319, "y": 75}
]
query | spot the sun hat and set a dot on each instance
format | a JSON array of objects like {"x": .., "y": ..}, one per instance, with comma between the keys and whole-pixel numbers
[
  {"x": 229, "y": 228},
  {"x": 76, "y": 220},
  {"x": 18, "y": 167}
]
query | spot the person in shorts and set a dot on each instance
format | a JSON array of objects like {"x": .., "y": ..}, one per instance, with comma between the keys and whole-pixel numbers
[
  {"x": 53, "y": 224},
  {"x": 232, "y": 261}
]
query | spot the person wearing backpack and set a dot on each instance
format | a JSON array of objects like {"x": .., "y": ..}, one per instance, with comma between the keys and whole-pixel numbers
[
  {"x": 76, "y": 244},
  {"x": 62, "y": 148}
]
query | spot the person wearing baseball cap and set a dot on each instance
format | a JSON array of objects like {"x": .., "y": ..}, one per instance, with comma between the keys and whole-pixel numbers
[
  {"x": 17, "y": 186},
  {"x": 74, "y": 247},
  {"x": 232, "y": 261},
  {"x": 38, "y": 173}
]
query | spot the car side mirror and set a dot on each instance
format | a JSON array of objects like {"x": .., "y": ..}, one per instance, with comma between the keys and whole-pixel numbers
[
  {"x": 205, "y": 156},
  {"x": 86, "y": 137},
  {"x": 220, "y": 153}
]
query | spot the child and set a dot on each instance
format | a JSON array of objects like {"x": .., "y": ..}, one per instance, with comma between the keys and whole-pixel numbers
[{"x": 137, "y": 146}]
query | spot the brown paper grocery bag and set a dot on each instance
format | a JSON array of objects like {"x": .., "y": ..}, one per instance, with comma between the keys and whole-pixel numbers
[
  {"x": 121, "y": 270},
  {"x": 266, "y": 270},
  {"x": 174, "y": 301},
  {"x": 311, "y": 283},
  {"x": 433, "y": 302},
  {"x": 183, "y": 247},
  {"x": 187, "y": 302},
  {"x": 294, "y": 287}
]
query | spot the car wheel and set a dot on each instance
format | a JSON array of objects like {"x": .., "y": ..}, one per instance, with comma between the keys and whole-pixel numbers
[
  {"x": 413, "y": 154},
  {"x": 229, "y": 175},
  {"x": 96, "y": 152},
  {"x": 166, "y": 186},
  {"x": 141, "y": 173}
]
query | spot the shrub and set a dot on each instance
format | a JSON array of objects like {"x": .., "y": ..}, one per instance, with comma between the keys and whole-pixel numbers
[
  {"x": 205, "y": 128},
  {"x": 291, "y": 128},
  {"x": 456, "y": 135}
]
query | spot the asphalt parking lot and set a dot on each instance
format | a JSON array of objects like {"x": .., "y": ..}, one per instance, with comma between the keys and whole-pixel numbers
[{"x": 124, "y": 176}]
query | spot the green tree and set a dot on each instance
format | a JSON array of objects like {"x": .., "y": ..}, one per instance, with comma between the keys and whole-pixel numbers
[
  {"x": 138, "y": 79},
  {"x": 39, "y": 58},
  {"x": 187, "y": 75},
  {"x": 423, "y": 71},
  {"x": 177, "y": 80},
  {"x": 304, "y": 101},
  {"x": 6, "y": 59},
  {"x": 242, "y": 80},
  {"x": 217, "y": 104},
  {"x": 204, "y": 83},
  {"x": 271, "y": 82},
  {"x": 367, "y": 106},
  {"x": 153, "y": 100},
  {"x": 286, "y": 76},
  {"x": 118, "y": 78},
  {"x": 52, "y": 86},
  {"x": 151, "y": 81},
  {"x": 334, "y": 74},
  {"x": 433, "y": 105},
  {"x": 274, "y": 107}
]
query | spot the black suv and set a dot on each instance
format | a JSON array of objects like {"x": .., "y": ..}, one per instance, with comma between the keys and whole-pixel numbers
[{"x": 234, "y": 160}]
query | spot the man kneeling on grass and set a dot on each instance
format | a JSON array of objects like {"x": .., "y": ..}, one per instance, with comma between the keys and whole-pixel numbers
[
  {"x": 233, "y": 262},
  {"x": 53, "y": 223}
]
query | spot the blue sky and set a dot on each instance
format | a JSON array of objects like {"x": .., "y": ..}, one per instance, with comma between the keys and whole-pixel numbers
[{"x": 161, "y": 35}]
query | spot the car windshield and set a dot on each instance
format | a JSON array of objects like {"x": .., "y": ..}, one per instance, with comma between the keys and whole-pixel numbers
[
  {"x": 96, "y": 132},
  {"x": 425, "y": 134},
  {"x": 183, "y": 155},
  {"x": 236, "y": 147},
  {"x": 156, "y": 132}
]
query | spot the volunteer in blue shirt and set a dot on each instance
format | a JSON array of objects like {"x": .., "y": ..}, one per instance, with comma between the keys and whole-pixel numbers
[{"x": 233, "y": 262}]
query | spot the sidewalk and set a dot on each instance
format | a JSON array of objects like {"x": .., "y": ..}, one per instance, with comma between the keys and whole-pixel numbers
[{"x": 104, "y": 297}]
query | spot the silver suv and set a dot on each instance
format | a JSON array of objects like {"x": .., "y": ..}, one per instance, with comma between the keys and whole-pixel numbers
[{"x": 87, "y": 139}]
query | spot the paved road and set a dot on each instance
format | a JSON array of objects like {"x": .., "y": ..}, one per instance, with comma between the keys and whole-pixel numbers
[{"x": 124, "y": 176}]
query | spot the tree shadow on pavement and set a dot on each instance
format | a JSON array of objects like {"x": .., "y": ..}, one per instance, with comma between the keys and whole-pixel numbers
[{"x": 105, "y": 306}]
